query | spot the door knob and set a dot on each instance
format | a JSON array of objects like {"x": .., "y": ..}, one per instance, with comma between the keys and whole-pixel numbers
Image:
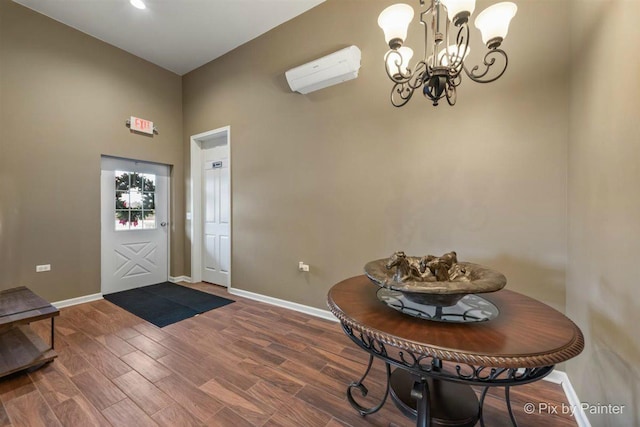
[{"x": 163, "y": 224}]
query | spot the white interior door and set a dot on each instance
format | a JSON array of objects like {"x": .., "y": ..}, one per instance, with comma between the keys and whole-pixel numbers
[
  {"x": 134, "y": 231},
  {"x": 216, "y": 244}
]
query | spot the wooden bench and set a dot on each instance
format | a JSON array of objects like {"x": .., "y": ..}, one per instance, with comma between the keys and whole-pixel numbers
[{"x": 20, "y": 347}]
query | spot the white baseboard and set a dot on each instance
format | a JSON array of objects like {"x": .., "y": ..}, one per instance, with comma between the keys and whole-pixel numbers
[
  {"x": 77, "y": 300},
  {"x": 323, "y": 314},
  {"x": 95, "y": 297},
  {"x": 560, "y": 377},
  {"x": 557, "y": 377}
]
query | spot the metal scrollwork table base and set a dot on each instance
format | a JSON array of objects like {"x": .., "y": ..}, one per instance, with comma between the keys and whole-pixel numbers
[{"x": 436, "y": 363}]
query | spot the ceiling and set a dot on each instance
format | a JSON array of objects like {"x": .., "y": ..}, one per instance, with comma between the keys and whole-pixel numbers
[{"x": 178, "y": 35}]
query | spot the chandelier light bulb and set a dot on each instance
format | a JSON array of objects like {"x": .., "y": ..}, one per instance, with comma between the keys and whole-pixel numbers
[
  {"x": 394, "y": 21},
  {"x": 493, "y": 22},
  {"x": 459, "y": 10}
]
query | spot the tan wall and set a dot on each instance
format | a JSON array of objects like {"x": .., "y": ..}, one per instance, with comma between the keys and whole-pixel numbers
[
  {"x": 340, "y": 177},
  {"x": 604, "y": 206},
  {"x": 64, "y": 98}
]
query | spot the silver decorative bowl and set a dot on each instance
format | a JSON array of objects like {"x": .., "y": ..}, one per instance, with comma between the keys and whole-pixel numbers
[{"x": 477, "y": 280}]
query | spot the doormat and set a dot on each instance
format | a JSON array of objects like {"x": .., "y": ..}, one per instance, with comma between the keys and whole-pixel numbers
[{"x": 166, "y": 303}]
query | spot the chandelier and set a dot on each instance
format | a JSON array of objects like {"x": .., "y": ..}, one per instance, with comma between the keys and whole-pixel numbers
[{"x": 446, "y": 46}]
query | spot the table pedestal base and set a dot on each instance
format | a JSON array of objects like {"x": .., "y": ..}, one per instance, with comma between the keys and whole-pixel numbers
[{"x": 449, "y": 403}]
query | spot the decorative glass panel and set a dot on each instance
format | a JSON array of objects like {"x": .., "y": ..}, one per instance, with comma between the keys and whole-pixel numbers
[
  {"x": 135, "y": 198},
  {"x": 122, "y": 200},
  {"x": 135, "y": 220},
  {"x": 136, "y": 181},
  {"x": 149, "y": 182},
  {"x": 135, "y": 209},
  {"x": 148, "y": 201},
  {"x": 149, "y": 220},
  {"x": 122, "y": 180},
  {"x": 122, "y": 220}
]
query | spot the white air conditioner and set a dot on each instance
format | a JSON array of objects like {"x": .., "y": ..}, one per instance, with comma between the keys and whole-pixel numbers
[{"x": 329, "y": 70}]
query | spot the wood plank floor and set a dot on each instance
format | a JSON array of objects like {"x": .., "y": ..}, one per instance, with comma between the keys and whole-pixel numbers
[{"x": 245, "y": 364}]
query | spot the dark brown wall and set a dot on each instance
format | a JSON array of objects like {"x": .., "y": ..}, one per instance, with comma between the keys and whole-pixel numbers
[{"x": 64, "y": 99}]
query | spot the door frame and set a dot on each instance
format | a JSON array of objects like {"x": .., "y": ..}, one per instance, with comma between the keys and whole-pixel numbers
[
  {"x": 168, "y": 207},
  {"x": 197, "y": 156}
]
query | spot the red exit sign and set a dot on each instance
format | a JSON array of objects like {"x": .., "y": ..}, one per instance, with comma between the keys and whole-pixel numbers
[{"x": 141, "y": 125}]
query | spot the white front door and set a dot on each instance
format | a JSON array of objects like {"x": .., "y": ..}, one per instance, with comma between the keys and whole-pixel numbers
[
  {"x": 216, "y": 244},
  {"x": 134, "y": 215}
]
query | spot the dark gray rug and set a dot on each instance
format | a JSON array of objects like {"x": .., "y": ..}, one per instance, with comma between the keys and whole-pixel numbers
[{"x": 166, "y": 303}]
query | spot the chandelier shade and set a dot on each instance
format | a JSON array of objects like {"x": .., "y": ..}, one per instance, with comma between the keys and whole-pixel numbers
[
  {"x": 395, "y": 21},
  {"x": 459, "y": 9},
  {"x": 493, "y": 22},
  {"x": 446, "y": 48}
]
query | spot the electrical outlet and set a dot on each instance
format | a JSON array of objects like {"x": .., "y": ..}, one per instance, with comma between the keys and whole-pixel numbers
[
  {"x": 302, "y": 266},
  {"x": 43, "y": 267}
]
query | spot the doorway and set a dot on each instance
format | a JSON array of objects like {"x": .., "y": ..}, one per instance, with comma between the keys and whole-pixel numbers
[
  {"x": 211, "y": 207},
  {"x": 134, "y": 224}
]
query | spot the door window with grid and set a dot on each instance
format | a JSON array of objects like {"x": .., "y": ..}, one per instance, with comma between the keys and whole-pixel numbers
[{"x": 134, "y": 201}]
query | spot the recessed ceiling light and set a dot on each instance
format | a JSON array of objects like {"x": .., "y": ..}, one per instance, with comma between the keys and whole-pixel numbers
[{"x": 138, "y": 3}]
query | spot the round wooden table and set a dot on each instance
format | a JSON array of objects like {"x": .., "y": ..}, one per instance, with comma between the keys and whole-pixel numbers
[{"x": 438, "y": 361}]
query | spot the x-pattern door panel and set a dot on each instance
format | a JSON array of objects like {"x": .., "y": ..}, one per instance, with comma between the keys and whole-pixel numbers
[{"x": 135, "y": 259}]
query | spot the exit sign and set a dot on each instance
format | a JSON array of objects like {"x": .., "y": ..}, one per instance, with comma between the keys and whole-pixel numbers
[{"x": 141, "y": 125}]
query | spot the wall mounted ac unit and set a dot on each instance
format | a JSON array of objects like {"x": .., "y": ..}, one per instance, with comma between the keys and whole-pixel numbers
[{"x": 329, "y": 70}]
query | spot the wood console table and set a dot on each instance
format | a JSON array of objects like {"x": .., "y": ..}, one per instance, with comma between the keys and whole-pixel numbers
[
  {"x": 437, "y": 362},
  {"x": 20, "y": 347}
]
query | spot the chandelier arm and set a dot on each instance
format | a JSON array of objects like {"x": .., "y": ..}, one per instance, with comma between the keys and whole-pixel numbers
[
  {"x": 452, "y": 94},
  {"x": 462, "y": 39},
  {"x": 418, "y": 74},
  {"x": 401, "y": 94},
  {"x": 402, "y": 91},
  {"x": 455, "y": 80},
  {"x": 411, "y": 78},
  {"x": 416, "y": 79},
  {"x": 488, "y": 61},
  {"x": 397, "y": 77}
]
